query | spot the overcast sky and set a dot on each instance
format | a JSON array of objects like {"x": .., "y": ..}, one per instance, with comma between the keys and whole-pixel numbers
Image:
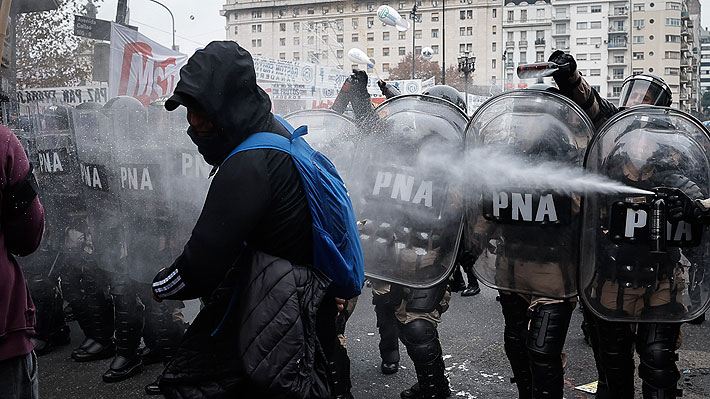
[{"x": 197, "y": 22}]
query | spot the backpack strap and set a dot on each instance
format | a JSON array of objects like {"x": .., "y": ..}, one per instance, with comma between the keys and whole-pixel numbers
[{"x": 270, "y": 140}]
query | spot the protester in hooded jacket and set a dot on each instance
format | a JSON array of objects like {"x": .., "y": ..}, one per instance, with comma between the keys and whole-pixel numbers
[
  {"x": 256, "y": 205},
  {"x": 22, "y": 223}
]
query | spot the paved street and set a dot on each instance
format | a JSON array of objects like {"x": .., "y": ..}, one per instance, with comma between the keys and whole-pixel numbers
[{"x": 473, "y": 350}]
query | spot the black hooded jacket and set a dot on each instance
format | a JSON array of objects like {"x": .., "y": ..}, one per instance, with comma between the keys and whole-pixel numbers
[
  {"x": 257, "y": 200},
  {"x": 256, "y": 197}
]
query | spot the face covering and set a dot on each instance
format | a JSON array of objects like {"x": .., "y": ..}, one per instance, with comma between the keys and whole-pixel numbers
[{"x": 212, "y": 148}]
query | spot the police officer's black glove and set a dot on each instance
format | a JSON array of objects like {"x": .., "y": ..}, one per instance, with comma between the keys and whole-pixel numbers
[
  {"x": 675, "y": 209},
  {"x": 567, "y": 75},
  {"x": 358, "y": 83},
  {"x": 387, "y": 89},
  {"x": 680, "y": 207}
]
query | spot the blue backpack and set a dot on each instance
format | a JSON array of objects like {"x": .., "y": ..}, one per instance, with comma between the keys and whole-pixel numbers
[{"x": 337, "y": 252}]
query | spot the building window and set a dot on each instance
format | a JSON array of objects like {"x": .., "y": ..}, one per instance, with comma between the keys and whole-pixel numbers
[
  {"x": 618, "y": 59},
  {"x": 673, "y": 55},
  {"x": 672, "y": 21},
  {"x": 402, "y": 35},
  {"x": 370, "y": 52},
  {"x": 296, "y": 26},
  {"x": 494, "y": 29},
  {"x": 560, "y": 29},
  {"x": 523, "y": 57},
  {"x": 561, "y": 44},
  {"x": 417, "y": 34},
  {"x": 339, "y": 38},
  {"x": 434, "y": 33},
  {"x": 596, "y": 88},
  {"x": 385, "y": 67},
  {"x": 595, "y": 56},
  {"x": 493, "y": 63},
  {"x": 595, "y": 72},
  {"x": 523, "y": 15},
  {"x": 540, "y": 13},
  {"x": 340, "y": 9},
  {"x": 493, "y": 47},
  {"x": 595, "y": 9},
  {"x": 339, "y": 53},
  {"x": 435, "y": 17},
  {"x": 385, "y": 35},
  {"x": 581, "y": 57},
  {"x": 256, "y": 14},
  {"x": 511, "y": 15},
  {"x": 638, "y": 39},
  {"x": 311, "y": 11},
  {"x": 523, "y": 37},
  {"x": 539, "y": 34},
  {"x": 617, "y": 73},
  {"x": 370, "y": 36},
  {"x": 282, "y": 27},
  {"x": 256, "y": 28},
  {"x": 282, "y": 56},
  {"x": 672, "y": 71},
  {"x": 672, "y": 6},
  {"x": 282, "y": 41},
  {"x": 402, "y": 51},
  {"x": 356, "y": 23},
  {"x": 672, "y": 39},
  {"x": 296, "y": 41},
  {"x": 354, "y": 38},
  {"x": 595, "y": 41},
  {"x": 385, "y": 51},
  {"x": 256, "y": 42},
  {"x": 639, "y": 6},
  {"x": 370, "y": 22},
  {"x": 435, "y": 49},
  {"x": 582, "y": 10},
  {"x": 539, "y": 56},
  {"x": 296, "y": 56},
  {"x": 402, "y": 5},
  {"x": 581, "y": 41},
  {"x": 638, "y": 23},
  {"x": 581, "y": 25},
  {"x": 638, "y": 55},
  {"x": 236, "y": 29},
  {"x": 596, "y": 25}
]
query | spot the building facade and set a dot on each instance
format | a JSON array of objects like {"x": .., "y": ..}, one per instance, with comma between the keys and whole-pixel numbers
[{"x": 704, "y": 61}]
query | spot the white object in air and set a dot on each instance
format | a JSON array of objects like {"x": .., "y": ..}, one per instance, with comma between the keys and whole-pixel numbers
[
  {"x": 427, "y": 53},
  {"x": 390, "y": 16},
  {"x": 359, "y": 57}
]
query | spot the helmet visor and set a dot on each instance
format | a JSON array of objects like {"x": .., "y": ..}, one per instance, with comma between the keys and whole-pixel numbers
[{"x": 640, "y": 91}]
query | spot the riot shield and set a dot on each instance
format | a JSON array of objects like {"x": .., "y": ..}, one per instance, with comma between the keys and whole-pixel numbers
[
  {"x": 526, "y": 234},
  {"x": 409, "y": 207},
  {"x": 144, "y": 197},
  {"x": 58, "y": 178},
  {"x": 100, "y": 180},
  {"x": 330, "y": 133},
  {"x": 640, "y": 261}
]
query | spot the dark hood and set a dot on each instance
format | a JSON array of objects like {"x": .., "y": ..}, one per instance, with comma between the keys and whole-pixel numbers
[{"x": 221, "y": 80}]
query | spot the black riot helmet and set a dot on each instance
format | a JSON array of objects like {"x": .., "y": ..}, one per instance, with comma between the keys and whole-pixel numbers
[
  {"x": 645, "y": 88},
  {"x": 128, "y": 114},
  {"x": 56, "y": 117},
  {"x": 447, "y": 93}
]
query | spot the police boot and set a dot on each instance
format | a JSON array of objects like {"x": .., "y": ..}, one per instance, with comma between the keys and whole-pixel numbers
[
  {"x": 656, "y": 344},
  {"x": 389, "y": 331},
  {"x": 50, "y": 329},
  {"x": 545, "y": 340},
  {"x": 129, "y": 326},
  {"x": 422, "y": 341},
  {"x": 457, "y": 284},
  {"x": 515, "y": 336},
  {"x": 473, "y": 287},
  {"x": 154, "y": 387},
  {"x": 616, "y": 357}
]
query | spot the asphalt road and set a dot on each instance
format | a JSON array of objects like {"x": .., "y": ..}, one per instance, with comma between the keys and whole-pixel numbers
[{"x": 472, "y": 341}]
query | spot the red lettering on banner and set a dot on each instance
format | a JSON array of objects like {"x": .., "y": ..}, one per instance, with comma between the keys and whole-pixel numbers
[{"x": 144, "y": 77}]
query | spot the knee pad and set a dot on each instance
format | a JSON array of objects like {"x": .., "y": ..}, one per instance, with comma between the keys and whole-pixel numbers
[
  {"x": 656, "y": 347},
  {"x": 422, "y": 341},
  {"x": 548, "y": 328}
]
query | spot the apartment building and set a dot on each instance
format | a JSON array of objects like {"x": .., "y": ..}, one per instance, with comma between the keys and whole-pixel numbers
[
  {"x": 704, "y": 61},
  {"x": 322, "y": 31},
  {"x": 528, "y": 37}
]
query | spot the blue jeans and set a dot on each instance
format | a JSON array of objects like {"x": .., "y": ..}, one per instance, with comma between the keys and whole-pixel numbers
[{"x": 18, "y": 377}]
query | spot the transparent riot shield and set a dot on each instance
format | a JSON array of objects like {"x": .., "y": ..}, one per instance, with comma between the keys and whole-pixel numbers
[
  {"x": 100, "y": 181},
  {"x": 642, "y": 260},
  {"x": 330, "y": 133},
  {"x": 526, "y": 234},
  {"x": 408, "y": 205}
]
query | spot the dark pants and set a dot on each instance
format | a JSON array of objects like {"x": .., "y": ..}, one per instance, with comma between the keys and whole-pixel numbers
[{"x": 18, "y": 377}]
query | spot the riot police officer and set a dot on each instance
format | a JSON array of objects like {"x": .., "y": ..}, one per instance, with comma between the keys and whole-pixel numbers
[{"x": 631, "y": 283}]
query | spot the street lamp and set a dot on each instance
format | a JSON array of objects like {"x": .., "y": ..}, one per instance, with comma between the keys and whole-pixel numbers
[
  {"x": 172, "y": 18},
  {"x": 505, "y": 67},
  {"x": 413, "y": 17},
  {"x": 466, "y": 65}
]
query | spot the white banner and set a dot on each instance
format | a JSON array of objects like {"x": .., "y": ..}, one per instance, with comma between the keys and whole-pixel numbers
[
  {"x": 47, "y": 96},
  {"x": 140, "y": 67}
]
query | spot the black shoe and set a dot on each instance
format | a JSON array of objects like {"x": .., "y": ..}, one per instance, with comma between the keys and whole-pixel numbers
[
  {"x": 122, "y": 368},
  {"x": 153, "y": 388},
  {"x": 471, "y": 290},
  {"x": 84, "y": 344},
  {"x": 698, "y": 320},
  {"x": 150, "y": 356},
  {"x": 58, "y": 338},
  {"x": 95, "y": 351},
  {"x": 389, "y": 367},
  {"x": 415, "y": 392}
]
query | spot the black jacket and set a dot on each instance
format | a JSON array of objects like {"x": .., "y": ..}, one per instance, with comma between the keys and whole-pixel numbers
[{"x": 256, "y": 200}]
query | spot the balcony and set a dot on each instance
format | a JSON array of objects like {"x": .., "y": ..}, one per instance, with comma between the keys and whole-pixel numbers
[
  {"x": 621, "y": 45},
  {"x": 618, "y": 29},
  {"x": 560, "y": 33},
  {"x": 618, "y": 13},
  {"x": 612, "y": 95},
  {"x": 510, "y": 44},
  {"x": 539, "y": 42},
  {"x": 523, "y": 43},
  {"x": 684, "y": 77},
  {"x": 560, "y": 17},
  {"x": 617, "y": 78},
  {"x": 612, "y": 62},
  {"x": 685, "y": 15},
  {"x": 509, "y": 65}
]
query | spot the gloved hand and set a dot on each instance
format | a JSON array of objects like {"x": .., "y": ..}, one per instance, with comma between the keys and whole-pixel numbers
[
  {"x": 680, "y": 207},
  {"x": 675, "y": 208},
  {"x": 387, "y": 89},
  {"x": 358, "y": 83},
  {"x": 566, "y": 74}
]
